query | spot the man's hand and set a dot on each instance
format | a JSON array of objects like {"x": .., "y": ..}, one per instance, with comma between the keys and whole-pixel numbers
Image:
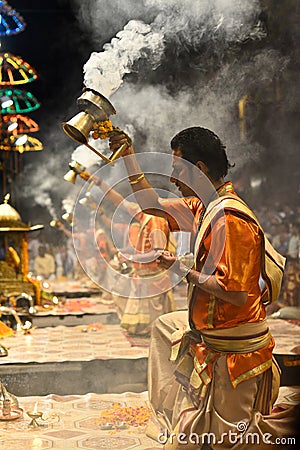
[
  {"x": 165, "y": 259},
  {"x": 118, "y": 139}
]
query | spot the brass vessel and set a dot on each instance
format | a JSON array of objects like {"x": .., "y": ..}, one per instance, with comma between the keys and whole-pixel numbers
[{"x": 94, "y": 108}]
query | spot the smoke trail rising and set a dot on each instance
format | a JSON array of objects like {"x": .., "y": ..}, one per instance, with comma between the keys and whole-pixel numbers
[
  {"x": 208, "y": 55},
  {"x": 68, "y": 204},
  {"x": 85, "y": 156},
  {"x": 44, "y": 199},
  {"x": 104, "y": 71},
  {"x": 211, "y": 24}
]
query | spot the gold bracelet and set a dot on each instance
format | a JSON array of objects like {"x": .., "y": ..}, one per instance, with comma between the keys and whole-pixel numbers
[{"x": 137, "y": 179}]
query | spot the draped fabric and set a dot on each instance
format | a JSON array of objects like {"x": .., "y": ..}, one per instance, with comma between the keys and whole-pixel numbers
[
  {"x": 150, "y": 294},
  {"x": 222, "y": 410},
  {"x": 238, "y": 268},
  {"x": 193, "y": 393}
]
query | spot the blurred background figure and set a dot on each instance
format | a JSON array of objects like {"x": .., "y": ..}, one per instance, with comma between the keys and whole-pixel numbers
[
  {"x": 65, "y": 261},
  {"x": 44, "y": 264},
  {"x": 293, "y": 249}
]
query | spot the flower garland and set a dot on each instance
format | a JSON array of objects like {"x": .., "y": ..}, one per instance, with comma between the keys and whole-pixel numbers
[{"x": 134, "y": 417}]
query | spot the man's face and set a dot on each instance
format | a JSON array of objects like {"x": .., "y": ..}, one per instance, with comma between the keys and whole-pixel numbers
[{"x": 180, "y": 175}]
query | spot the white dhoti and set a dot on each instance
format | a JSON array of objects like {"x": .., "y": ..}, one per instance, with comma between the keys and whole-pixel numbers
[{"x": 227, "y": 417}]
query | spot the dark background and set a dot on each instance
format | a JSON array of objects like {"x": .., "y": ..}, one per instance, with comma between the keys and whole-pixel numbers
[
  {"x": 57, "y": 48},
  {"x": 54, "y": 45},
  {"x": 57, "y": 44}
]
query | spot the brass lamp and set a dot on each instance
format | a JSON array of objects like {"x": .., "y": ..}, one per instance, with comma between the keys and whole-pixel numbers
[
  {"x": 75, "y": 169},
  {"x": 94, "y": 108}
]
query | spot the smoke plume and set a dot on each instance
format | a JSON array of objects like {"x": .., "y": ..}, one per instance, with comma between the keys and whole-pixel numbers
[
  {"x": 176, "y": 64},
  {"x": 167, "y": 65}
]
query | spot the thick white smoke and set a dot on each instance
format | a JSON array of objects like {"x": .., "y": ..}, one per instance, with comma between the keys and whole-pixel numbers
[
  {"x": 168, "y": 65},
  {"x": 104, "y": 71},
  {"x": 85, "y": 156},
  {"x": 190, "y": 23},
  {"x": 152, "y": 29}
]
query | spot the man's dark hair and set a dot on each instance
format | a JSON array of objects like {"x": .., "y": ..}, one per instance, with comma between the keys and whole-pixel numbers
[{"x": 200, "y": 144}]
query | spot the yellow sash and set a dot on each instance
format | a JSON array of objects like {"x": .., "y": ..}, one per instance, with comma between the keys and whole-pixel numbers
[
  {"x": 272, "y": 262},
  {"x": 244, "y": 338}
]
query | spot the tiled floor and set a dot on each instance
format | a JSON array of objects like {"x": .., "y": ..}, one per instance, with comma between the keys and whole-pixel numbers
[
  {"x": 80, "y": 359},
  {"x": 92, "y": 356},
  {"x": 75, "y": 353},
  {"x": 79, "y": 343},
  {"x": 90, "y": 421},
  {"x": 80, "y": 422},
  {"x": 102, "y": 341}
]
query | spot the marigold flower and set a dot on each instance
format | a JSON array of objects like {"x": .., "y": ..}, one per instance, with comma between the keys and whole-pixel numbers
[
  {"x": 102, "y": 129},
  {"x": 135, "y": 417}
]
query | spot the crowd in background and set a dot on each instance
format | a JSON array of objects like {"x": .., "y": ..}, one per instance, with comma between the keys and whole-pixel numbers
[{"x": 281, "y": 224}]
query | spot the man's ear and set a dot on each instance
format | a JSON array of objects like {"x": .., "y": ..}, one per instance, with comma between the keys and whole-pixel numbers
[{"x": 202, "y": 167}]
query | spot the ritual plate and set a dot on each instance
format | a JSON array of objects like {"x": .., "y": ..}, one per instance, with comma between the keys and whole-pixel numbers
[{"x": 15, "y": 413}]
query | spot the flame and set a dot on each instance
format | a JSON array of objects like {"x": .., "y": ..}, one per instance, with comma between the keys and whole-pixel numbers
[{"x": 35, "y": 408}]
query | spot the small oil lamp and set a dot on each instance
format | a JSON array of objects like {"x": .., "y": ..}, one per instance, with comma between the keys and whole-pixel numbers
[{"x": 34, "y": 415}]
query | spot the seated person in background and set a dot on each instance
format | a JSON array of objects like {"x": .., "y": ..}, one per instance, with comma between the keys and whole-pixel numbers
[
  {"x": 66, "y": 262},
  {"x": 293, "y": 249},
  {"x": 44, "y": 264}
]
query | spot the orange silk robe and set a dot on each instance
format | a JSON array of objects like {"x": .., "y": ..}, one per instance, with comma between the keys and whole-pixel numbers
[
  {"x": 238, "y": 270},
  {"x": 150, "y": 232}
]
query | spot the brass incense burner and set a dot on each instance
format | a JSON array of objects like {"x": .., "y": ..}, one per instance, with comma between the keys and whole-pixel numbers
[
  {"x": 94, "y": 108},
  {"x": 9, "y": 405}
]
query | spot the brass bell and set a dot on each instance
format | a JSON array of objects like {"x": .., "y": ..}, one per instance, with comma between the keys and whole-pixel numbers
[
  {"x": 94, "y": 108},
  {"x": 75, "y": 169},
  {"x": 78, "y": 128}
]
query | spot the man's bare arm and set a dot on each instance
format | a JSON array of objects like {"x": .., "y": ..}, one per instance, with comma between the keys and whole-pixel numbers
[
  {"x": 207, "y": 284},
  {"x": 145, "y": 194},
  {"x": 211, "y": 286}
]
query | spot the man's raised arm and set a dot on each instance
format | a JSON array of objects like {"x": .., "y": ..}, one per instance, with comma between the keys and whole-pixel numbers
[{"x": 144, "y": 192}]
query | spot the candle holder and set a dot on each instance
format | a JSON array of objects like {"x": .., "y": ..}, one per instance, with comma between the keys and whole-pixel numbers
[
  {"x": 14, "y": 413},
  {"x": 7, "y": 413},
  {"x": 34, "y": 415},
  {"x": 107, "y": 426}
]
